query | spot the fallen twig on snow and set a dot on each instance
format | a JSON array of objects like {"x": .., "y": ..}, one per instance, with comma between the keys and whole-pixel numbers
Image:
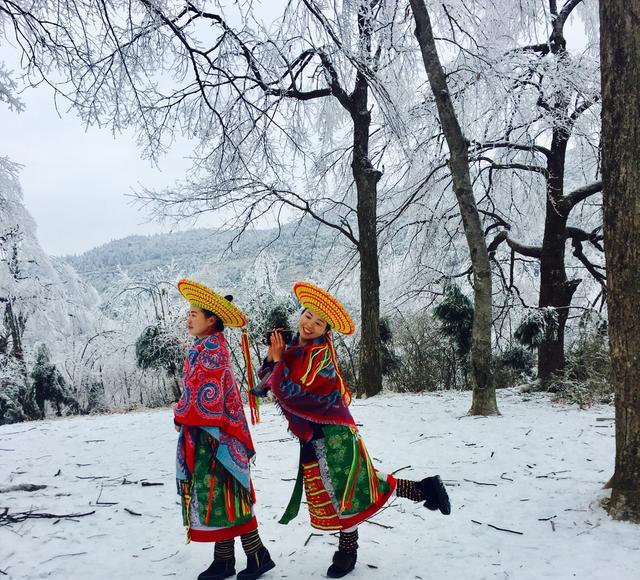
[
  {"x": 379, "y": 525},
  {"x": 22, "y": 487},
  {"x": 167, "y": 557},
  {"x": 311, "y": 536},
  {"x": 7, "y": 518},
  {"x": 397, "y": 470},
  {"x": 506, "y": 530},
  {"x": 499, "y": 528},
  {"x": 426, "y": 437},
  {"x": 480, "y": 482},
  {"x": 19, "y": 432},
  {"x": 107, "y": 503},
  {"x": 132, "y": 512},
  {"x": 63, "y": 556}
]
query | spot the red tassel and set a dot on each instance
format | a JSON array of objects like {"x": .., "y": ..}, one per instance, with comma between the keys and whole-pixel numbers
[{"x": 254, "y": 404}]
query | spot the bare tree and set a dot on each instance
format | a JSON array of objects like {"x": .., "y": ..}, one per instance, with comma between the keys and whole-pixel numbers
[
  {"x": 562, "y": 97},
  {"x": 620, "y": 54}
]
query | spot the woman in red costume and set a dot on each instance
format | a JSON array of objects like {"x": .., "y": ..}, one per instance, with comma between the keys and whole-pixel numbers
[
  {"x": 215, "y": 445},
  {"x": 342, "y": 486}
]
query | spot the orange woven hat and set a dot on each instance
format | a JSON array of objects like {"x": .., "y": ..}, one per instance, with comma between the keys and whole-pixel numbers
[
  {"x": 202, "y": 297},
  {"x": 325, "y": 306}
]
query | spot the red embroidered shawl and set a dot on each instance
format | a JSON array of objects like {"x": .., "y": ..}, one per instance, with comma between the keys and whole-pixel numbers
[{"x": 210, "y": 396}]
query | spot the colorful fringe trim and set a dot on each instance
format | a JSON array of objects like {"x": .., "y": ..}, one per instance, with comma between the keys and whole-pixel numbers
[
  {"x": 359, "y": 451},
  {"x": 254, "y": 402},
  {"x": 319, "y": 358}
]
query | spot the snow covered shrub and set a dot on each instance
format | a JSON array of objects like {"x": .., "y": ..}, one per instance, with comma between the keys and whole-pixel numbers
[
  {"x": 158, "y": 347},
  {"x": 16, "y": 397},
  {"x": 585, "y": 380},
  {"x": 536, "y": 326},
  {"x": 49, "y": 385},
  {"x": 455, "y": 314},
  {"x": 95, "y": 396},
  {"x": 513, "y": 366}
]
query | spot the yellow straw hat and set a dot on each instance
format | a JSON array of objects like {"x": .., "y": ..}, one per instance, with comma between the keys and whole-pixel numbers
[
  {"x": 325, "y": 306},
  {"x": 202, "y": 297}
]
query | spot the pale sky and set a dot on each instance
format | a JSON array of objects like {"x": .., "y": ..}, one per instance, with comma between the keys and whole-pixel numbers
[{"x": 76, "y": 180}]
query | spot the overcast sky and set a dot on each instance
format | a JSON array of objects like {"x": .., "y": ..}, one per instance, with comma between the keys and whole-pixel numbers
[{"x": 76, "y": 181}]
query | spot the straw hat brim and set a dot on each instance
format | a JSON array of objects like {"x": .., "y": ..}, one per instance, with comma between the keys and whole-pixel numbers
[
  {"x": 203, "y": 297},
  {"x": 325, "y": 306}
]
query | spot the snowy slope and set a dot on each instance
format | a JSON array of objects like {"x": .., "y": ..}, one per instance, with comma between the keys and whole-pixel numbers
[{"x": 538, "y": 463}]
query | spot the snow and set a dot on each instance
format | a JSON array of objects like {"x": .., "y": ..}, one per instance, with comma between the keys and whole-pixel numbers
[{"x": 537, "y": 463}]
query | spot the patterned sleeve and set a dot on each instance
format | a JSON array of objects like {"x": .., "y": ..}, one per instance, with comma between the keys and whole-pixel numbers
[
  {"x": 265, "y": 369},
  {"x": 271, "y": 379}
]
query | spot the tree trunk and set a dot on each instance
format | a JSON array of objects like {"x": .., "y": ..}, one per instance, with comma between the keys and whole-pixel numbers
[
  {"x": 484, "y": 393},
  {"x": 620, "y": 61},
  {"x": 555, "y": 289},
  {"x": 366, "y": 179},
  {"x": 15, "y": 325}
]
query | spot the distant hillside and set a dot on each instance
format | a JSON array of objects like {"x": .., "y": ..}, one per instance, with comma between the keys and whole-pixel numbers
[{"x": 299, "y": 249}]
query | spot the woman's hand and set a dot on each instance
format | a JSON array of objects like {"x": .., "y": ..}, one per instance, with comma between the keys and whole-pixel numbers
[{"x": 276, "y": 347}]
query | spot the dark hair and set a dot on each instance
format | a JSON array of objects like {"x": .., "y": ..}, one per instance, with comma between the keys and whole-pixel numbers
[
  {"x": 219, "y": 325},
  {"x": 328, "y": 325}
]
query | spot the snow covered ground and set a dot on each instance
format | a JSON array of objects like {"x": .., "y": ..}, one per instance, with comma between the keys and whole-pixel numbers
[{"x": 537, "y": 470}]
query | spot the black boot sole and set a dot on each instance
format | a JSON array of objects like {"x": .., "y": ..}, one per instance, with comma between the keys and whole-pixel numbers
[
  {"x": 339, "y": 573},
  {"x": 270, "y": 565},
  {"x": 222, "y": 576}
]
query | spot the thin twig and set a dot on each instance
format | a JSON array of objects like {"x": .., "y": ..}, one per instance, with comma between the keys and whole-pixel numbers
[
  {"x": 480, "y": 482},
  {"x": 505, "y": 530},
  {"x": 63, "y": 556},
  {"x": 311, "y": 536},
  {"x": 380, "y": 525},
  {"x": 397, "y": 470}
]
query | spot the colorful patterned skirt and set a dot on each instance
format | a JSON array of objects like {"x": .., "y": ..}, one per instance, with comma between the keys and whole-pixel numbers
[
  {"x": 215, "y": 506},
  {"x": 341, "y": 485}
]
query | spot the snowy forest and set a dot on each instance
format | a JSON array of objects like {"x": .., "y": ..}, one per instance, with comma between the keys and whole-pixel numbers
[{"x": 441, "y": 167}]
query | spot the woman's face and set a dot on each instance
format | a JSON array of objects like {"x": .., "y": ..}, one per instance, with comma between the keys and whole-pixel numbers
[
  {"x": 311, "y": 326},
  {"x": 198, "y": 324}
]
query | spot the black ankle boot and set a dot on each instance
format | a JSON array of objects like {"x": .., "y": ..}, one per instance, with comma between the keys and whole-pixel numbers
[
  {"x": 343, "y": 563},
  {"x": 257, "y": 565},
  {"x": 435, "y": 494},
  {"x": 219, "y": 569}
]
